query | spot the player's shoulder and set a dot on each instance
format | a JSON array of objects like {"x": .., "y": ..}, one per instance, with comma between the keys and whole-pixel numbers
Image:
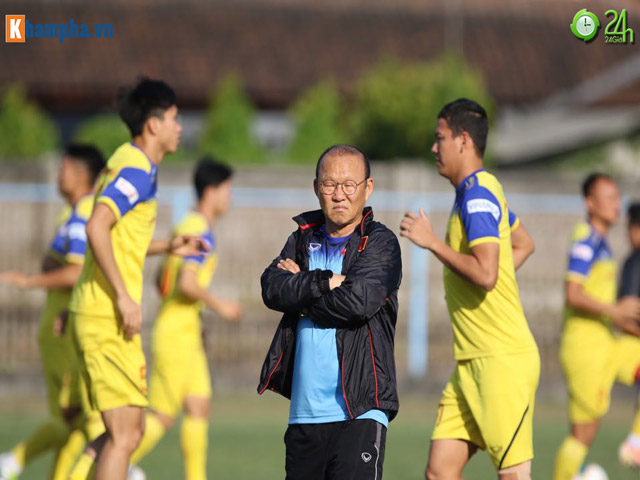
[
  {"x": 192, "y": 223},
  {"x": 85, "y": 206},
  {"x": 583, "y": 233},
  {"x": 128, "y": 155},
  {"x": 65, "y": 214},
  {"x": 487, "y": 182}
]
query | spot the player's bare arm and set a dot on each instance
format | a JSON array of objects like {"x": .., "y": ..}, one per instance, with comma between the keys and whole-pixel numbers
[
  {"x": 522, "y": 244},
  {"x": 625, "y": 314},
  {"x": 480, "y": 268},
  {"x": 98, "y": 234},
  {"x": 189, "y": 287},
  {"x": 183, "y": 245},
  {"x": 64, "y": 277}
]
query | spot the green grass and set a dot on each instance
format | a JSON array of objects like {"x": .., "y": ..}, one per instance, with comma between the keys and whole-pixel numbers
[{"x": 246, "y": 440}]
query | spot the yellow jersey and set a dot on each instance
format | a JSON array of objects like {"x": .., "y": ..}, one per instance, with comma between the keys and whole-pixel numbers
[
  {"x": 592, "y": 265},
  {"x": 484, "y": 323},
  {"x": 194, "y": 223},
  {"x": 128, "y": 186},
  {"x": 68, "y": 246}
]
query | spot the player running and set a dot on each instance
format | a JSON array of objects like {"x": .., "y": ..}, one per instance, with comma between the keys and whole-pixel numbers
[
  {"x": 592, "y": 356},
  {"x": 60, "y": 270},
  {"x": 105, "y": 306},
  {"x": 489, "y": 400},
  {"x": 180, "y": 378}
]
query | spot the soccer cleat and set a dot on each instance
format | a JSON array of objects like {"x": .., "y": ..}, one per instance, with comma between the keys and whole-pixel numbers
[
  {"x": 629, "y": 455},
  {"x": 134, "y": 473},
  {"x": 9, "y": 468}
]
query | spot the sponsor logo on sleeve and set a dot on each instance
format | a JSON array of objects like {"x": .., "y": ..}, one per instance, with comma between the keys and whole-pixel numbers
[
  {"x": 125, "y": 187},
  {"x": 77, "y": 231},
  {"x": 481, "y": 205},
  {"x": 582, "y": 252}
]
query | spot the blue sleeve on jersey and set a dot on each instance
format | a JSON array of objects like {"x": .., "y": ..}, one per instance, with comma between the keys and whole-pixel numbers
[
  {"x": 480, "y": 213},
  {"x": 77, "y": 235},
  {"x": 512, "y": 218},
  {"x": 130, "y": 187},
  {"x": 581, "y": 257}
]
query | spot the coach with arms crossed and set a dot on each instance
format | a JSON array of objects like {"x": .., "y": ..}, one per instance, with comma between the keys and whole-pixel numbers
[{"x": 336, "y": 281}]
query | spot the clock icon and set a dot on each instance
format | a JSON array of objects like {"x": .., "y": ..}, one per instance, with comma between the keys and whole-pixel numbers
[{"x": 585, "y": 25}]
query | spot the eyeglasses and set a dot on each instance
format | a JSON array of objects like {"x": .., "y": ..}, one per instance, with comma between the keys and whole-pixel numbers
[{"x": 349, "y": 187}]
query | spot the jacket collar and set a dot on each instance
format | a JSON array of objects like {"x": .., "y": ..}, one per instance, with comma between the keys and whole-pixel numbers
[{"x": 315, "y": 219}]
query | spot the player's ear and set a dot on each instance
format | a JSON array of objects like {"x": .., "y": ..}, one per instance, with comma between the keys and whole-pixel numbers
[
  {"x": 153, "y": 124},
  {"x": 315, "y": 186}
]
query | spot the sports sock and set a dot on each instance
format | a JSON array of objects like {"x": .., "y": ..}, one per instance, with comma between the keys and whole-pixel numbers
[
  {"x": 153, "y": 432},
  {"x": 193, "y": 439},
  {"x": 52, "y": 434},
  {"x": 67, "y": 455},
  {"x": 82, "y": 467},
  {"x": 569, "y": 459}
]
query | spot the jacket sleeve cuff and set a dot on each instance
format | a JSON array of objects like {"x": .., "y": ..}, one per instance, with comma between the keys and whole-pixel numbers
[{"x": 323, "y": 281}]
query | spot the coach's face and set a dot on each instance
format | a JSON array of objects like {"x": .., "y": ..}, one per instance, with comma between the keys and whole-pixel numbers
[
  {"x": 337, "y": 173},
  {"x": 447, "y": 149},
  {"x": 604, "y": 201}
]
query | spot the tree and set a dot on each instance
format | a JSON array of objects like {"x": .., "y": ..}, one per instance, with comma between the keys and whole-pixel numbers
[
  {"x": 318, "y": 118},
  {"x": 105, "y": 131},
  {"x": 227, "y": 131},
  {"x": 395, "y": 105},
  {"x": 25, "y": 130}
]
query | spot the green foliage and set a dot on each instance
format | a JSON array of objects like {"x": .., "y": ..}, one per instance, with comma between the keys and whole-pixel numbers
[
  {"x": 317, "y": 114},
  {"x": 227, "y": 130},
  {"x": 396, "y": 105},
  {"x": 25, "y": 130},
  {"x": 105, "y": 131}
]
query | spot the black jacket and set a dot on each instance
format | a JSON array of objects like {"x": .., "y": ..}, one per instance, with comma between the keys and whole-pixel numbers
[
  {"x": 630, "y": 281},
  {"x": 364, "y": 310}
]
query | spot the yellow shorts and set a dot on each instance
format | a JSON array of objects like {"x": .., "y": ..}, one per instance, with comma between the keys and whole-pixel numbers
[
  {"x": 180, "y": 367},
  {"x": 489, "y": 401},
  {"x": 113, "y": 368},
  {"x": 591, "y": 374}
]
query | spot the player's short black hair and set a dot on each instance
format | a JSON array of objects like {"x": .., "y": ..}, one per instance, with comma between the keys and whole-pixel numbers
[
  {"x": 148, "y": 98},
  {"x": 591, "y": 180},
  {"x": 342, "y": 149},
  {"x": 210, "y": 172},
  {"x": 633, "y": 214},
  {"x": 464, "y": 115},
  {"x": 89, "y": 156}
]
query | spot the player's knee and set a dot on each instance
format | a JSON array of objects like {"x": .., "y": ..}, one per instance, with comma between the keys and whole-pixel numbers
[
  {"x": 440, "y": 472},
  {"x": 521, "y": 471},
  {"x": 128, "y": 439}
]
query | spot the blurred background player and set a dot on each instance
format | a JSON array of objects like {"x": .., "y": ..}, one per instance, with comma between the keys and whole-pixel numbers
[
  {"x": 592, "y": 357},
  {"x": 60, "y": 270},
  {"x": 629, "y": 452},
  {"x": 180, "y": 378},
  {"x": 489, "y": 400},
  {"x": 105, "y": 304}
]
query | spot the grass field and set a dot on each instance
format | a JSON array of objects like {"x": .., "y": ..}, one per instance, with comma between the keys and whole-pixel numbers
[{"x": 246, "y": 440}]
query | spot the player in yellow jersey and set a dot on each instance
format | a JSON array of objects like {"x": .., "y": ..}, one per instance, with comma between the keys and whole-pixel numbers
[
  {"x": 180, "y": 378},
  {"x": 106, "y": 314},
  {"x": 489, "y": 400},
  {"x": 61, "y": 268},
  {"x": 592, "y": 356}
]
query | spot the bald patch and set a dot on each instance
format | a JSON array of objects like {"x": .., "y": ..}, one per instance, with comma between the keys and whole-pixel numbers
[{"x": 344, "y": 151}]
